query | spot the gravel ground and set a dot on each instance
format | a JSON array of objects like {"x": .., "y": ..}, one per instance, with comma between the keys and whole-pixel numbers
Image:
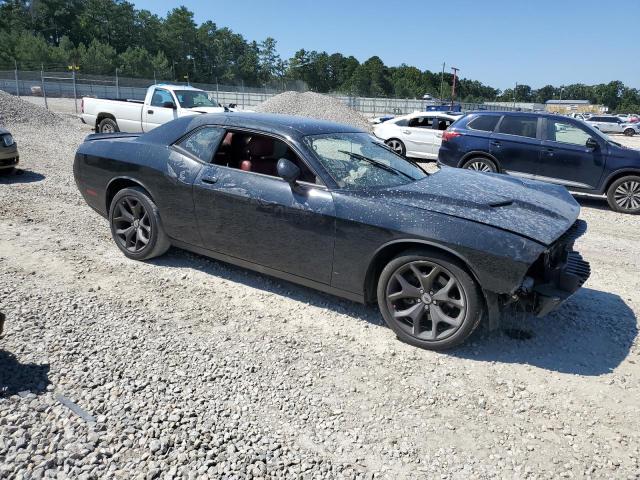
[
  {"x": 184, "y": 367},
  {"x": 314, "y": 105},
  {"x": 12, "y": 111}
]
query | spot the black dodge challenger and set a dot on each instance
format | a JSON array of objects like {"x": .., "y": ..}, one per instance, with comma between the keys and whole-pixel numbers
[{"x": 332, "y": 208}]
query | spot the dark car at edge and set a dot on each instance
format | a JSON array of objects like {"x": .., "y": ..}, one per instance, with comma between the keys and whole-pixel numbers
[
  {"x": 330, "y": 207},
  {"x": 546, "y": 147}
]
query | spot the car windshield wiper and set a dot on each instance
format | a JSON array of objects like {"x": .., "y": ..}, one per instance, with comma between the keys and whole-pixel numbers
[
  {"x": 376, "y": 163},
  {"x": 406, "y": 159}
]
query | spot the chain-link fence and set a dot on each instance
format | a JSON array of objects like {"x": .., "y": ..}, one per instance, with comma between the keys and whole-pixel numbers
[{"x": 71, "y": 84}]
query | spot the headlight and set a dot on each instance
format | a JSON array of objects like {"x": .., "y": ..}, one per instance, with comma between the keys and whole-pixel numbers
[{"x": 7, "y": 140}]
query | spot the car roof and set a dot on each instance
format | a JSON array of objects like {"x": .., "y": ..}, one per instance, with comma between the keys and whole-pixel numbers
[
  {"x": 173, "y": 87},
  {"x": 521, "y": 114},
  {"x": 432, "y": 113},
  {"x": 283, "y": 125}
]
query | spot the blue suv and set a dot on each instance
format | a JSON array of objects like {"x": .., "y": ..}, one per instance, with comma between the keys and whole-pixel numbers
[{"x": 546, "y": 147}]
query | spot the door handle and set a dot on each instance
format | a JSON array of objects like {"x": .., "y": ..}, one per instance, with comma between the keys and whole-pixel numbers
[
  {"x": 209, "y": 180},
  {"x": 549, "y": 152},
  {"x": 495, "y": 143},
  {"x": 407, "y": 132},
  {"x": 150, "y": 112}
]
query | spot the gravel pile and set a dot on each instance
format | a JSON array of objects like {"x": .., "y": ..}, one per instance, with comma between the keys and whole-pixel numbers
[
  {"x": 314, "y": 105},
  {"x": 15, "y": 110},
  {"x": 184, "y": 367}
]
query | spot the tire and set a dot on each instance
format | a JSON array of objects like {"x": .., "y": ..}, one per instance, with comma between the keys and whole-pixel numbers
[
  {"x": 132, "y": 208},
  {"x": 480, "y": 164},
  {"x": 432, "y": 297},
  {"x": 108, "y": 125},
  {"x": 397, "y": 146},
  {"x": 629, "y": 132},
  {"x": 623, "y": 195}
]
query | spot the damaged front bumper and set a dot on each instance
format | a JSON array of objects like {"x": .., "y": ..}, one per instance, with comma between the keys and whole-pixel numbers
[{"x": 556, "y": 275}]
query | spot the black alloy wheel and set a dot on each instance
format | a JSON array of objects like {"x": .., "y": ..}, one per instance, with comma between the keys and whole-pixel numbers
[
  {"x": 429, "y": 301},
  {"x": 132, "y": 224},
  {"x": 624, "y": 195},
  {"x": 397, "y": 146},
  {"x": 480, "y": 164},
  {"x": 135, "y": 224}
]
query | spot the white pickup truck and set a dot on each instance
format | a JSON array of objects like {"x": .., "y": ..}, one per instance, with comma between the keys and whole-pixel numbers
[{"x": 162, "y": 104}]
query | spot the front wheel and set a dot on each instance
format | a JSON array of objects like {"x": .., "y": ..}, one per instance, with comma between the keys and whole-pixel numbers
[
  {"x": 108, "y": 125},
  {"x": 480, "y": 164},
  {"x": 629, "y": 132},
  {"x": 397, "y": 146},
  {"x": 624, "y": 195},
  {"x": 428, "y": 300},
  {"x": 135, "y": 225}
]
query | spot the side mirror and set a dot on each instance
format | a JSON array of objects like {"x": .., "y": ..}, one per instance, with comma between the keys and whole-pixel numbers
[
  {"x": 169, "y": 105},
  {"x": 591, "y": 143},
  {"x": 288, "y": 171}
]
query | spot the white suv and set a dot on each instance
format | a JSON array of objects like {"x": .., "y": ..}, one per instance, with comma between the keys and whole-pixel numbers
[
  {"x": 416, "y": 135},
  {"x": 610, "y": 124}
]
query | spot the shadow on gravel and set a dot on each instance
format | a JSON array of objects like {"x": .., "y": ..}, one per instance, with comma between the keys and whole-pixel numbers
[
  {"x": 16, "y": 377},
  {"x": 590, "y": 335},
  {"x": 178, "y": 258},
  {"x": 21, "y": 176}
]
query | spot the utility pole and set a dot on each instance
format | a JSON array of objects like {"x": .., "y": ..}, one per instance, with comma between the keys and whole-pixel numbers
[
  {"x": 514, "y": 95},
  {"x": 442, "y": 82},
  {"x": 453, "y": 88},
  {"x": 15, "y": 63}
]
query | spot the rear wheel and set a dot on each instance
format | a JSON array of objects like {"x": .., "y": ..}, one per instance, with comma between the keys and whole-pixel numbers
[
  {"x": 624, "y": 195},
  {"x": 135, "y": 225},
  {"x": 629, "y": 132},
  {"x": 397, "y": 146},
  {"x": 480, "y": 164},
  {"x": 428, "y": 300},
  {"x": 108, "y": 125}
]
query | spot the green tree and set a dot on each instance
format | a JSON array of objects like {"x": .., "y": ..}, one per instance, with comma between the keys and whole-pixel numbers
[
  {"x": 136, "y": 62},
  {"x": 179, "y": 39},
  {"x": 98, "y": 58}
]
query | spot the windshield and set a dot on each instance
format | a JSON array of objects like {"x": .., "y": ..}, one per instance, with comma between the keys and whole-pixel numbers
[
  {"x": 359, "y": 160},
  {"x": 194, "y": 98}
]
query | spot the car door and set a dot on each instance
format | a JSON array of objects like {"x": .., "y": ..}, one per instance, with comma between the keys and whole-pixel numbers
[
  {"x": 439, "y": 124},
  {"x": 419, "y": 136},
  {"x": 516, "y": 144},
  {"x": 566, "y": 157},
  {"x": 158, "y": 111},
  {"x": 261, "y": 219}
]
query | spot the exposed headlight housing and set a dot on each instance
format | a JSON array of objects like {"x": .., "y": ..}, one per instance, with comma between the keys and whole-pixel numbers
[{"x": 7, "y": 140}]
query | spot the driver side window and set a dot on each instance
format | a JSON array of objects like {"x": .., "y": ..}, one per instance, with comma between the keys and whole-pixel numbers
[
  {"x": 160, "y": 97},
  {"x": 256, "y": 153},
  {"x": 563, "y": 132},
  {"x": 421, "y": 122}
]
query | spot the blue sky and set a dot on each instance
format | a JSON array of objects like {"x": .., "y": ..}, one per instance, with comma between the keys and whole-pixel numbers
[{"x": 498, "y": 42}]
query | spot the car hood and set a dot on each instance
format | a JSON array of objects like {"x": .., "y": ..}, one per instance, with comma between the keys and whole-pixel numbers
[{"x": 539, "y": 211}]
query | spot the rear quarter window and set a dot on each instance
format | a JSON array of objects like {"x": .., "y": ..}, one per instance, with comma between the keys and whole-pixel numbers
[
  {"x": 486, "y": 123},
  {"x": 521, "y": 126},
  {"x": 202, "y": 143}
]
